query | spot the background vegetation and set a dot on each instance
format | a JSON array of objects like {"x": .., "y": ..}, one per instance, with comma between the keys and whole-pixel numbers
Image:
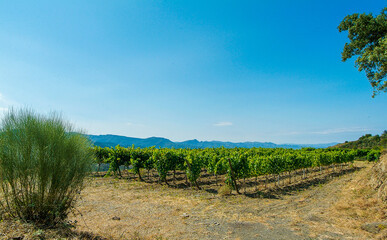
[{"x": 367, "y": 141}]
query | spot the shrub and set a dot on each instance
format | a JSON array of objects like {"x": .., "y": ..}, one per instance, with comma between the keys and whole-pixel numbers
[
  {"x": 373, "y": 155},
  {"x": 42, "y": 166}
]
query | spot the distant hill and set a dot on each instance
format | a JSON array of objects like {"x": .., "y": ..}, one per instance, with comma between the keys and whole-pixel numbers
[
  {"x": 367, "y": 141},
  {"x": 114, "y": 140}
]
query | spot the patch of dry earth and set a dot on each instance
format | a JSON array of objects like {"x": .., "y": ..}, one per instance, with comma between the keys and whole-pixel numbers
[{"x": 152, "y": 211}]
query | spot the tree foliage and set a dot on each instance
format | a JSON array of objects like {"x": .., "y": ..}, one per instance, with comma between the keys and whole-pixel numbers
[
  {"x": 367, "y": 40},
  {"x": 367, "y": 141}
]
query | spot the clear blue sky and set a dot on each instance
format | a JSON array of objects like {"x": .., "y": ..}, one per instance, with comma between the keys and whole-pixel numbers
[{"x": 210, "y": 70}]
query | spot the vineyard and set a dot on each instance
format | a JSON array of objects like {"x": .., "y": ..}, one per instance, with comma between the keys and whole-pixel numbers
[{"x": 255, "y": 165}]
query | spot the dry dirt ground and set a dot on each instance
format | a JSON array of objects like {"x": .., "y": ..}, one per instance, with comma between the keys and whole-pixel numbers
[{"x": 327, "y": 206}]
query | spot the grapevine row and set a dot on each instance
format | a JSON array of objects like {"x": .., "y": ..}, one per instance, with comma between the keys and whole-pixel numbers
[{"x": 236, "y": 163}]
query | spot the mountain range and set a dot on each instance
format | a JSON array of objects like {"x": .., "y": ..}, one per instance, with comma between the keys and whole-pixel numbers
[{"x": 159, "y": 142}]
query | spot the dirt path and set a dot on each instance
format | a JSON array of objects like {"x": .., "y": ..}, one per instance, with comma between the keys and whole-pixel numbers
[{"x": 151, "y": 211}]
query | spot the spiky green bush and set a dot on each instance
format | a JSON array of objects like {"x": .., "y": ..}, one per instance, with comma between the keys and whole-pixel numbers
[{"x": 42, "y": 166}]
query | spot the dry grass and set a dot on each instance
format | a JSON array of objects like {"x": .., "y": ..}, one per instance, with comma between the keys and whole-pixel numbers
[
  {"x": 358, "y": 204},
  {"x": 353, "y": 204},
  {"x": 335, "y": 209},
  {"x": 225, "y": 190},
  {"x": 12, "y": 229},
  {"x": 146, "y": 211}
]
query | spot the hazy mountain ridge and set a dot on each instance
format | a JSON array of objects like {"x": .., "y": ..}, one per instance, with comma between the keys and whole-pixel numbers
[{"x": 110, "y": 140}]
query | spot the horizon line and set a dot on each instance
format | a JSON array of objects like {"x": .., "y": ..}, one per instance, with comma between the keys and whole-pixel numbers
[{"x": 214, "y": 140}]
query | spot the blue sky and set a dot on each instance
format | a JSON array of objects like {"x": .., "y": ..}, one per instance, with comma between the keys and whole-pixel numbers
[{"x": 209, "y": 70}]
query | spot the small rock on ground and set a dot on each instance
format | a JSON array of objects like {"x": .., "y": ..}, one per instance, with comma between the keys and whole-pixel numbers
[{"x": 375, "y": 227}]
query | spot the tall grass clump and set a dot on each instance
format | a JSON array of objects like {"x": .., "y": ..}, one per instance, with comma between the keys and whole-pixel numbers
[{"x": 42, "y": 166}]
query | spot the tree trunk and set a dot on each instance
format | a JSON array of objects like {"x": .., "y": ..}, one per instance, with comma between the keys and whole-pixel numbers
[
  {"x": 99, "y": 165},
  {"x": 290, "y": 177},
  {"x": 166, "y": 181},
  {"x": 244, "y": 185},
  {"x": 256, "y": 183},
  {"x": 139, "y": 175},
  {"x": 119, "y": 171},
  {"x": 233, "y": 178}
]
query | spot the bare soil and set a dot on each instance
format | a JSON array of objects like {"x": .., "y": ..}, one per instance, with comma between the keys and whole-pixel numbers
[{"x": 326, "y": 204}]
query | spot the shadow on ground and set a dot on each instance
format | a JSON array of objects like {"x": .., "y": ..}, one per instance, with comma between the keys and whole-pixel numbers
[{"x": 271, "y": 186}]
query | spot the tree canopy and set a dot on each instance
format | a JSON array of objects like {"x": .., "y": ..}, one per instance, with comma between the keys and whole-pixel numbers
[
  {"x": 367, "y": 141},
  {"x": 367, "y": 40}
]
